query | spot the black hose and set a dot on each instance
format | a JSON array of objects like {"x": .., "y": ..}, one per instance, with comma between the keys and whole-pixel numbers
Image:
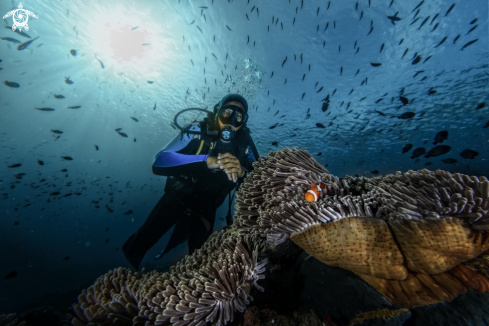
[{"x": 185, "y": 110}]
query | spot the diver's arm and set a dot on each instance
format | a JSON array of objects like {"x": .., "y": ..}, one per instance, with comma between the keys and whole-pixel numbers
[{"x": 171, "y": 161}]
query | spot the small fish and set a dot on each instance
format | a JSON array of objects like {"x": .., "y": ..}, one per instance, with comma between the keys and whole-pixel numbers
[
  {"x": 320, "y": 125},
  {"x": 374, "y": 172},
  {"x": 67, "y": 158},
  {"x": 436, "y": 26},
  {"x": 64, "y": 170},
  {"x": 284, "y": 62},
  {"x": 146, "y": 44},
  {"x": 487, "y": 125},
  {"x": 26, "y": 44},
  {"x": 424, "y": 22},
  {"x": 314, "y": 192},
  {"x": 440, "y": 137},
  {"x": 59, "y": 132},
  {"x": 129, "y": 212},
  {"x": 228, "y": 28},
  {"x": 407, "y": 115},
  {"x": 449, "y": 9},
  {"x": 431, "y": 92},
  {"x": 122, "y": 134},
  {"x": 101, "y": 63},
  {"x": 456, "y": 38},
  {"x": 133, "y": 118},
  {"x": 320, "y": 89},
  {"x": 275, "y": 143},
  {"x": 375, "y": 64},
  {"x": 390, "y": 4},
  {"x": 203, "y": 7},
  {"x": 407, "y": 148},
  {"x": 11, "y": 84},
  {"x": 442, "y": 41},
  {"x": 150, "y": 82},
  {"x": 379, "y": 112},
  {"x": 381, "y": 48},
  {"x": 469, "y": 43},
  {"x": 303, "y": 94},
  {"x": 58, "y": 96},
  {"x": 481, "y": 105},
  {"x": 419, "y": 5},
  {"x": 9, "y": 39},
  {"x": 40, "y": 162},
  {"x": 96, "y": 147},
  {"x": 69, "y": 81},
  {"x": 438, "y": 150},
  {"x": 404, "y": 100},
  {"x": 469, "y": 154},
  {"x": 73, "y": 52},
  {"x": 449, "y": 160},
  {"x": 471, "y": 29},
  {"x": 134, "y": 139},
  {"x": 371, "y": 29},
  {"x": 427, "y": 59},
  {"x": 55, "y": 193},
  {"x": 10, "y": 275},
  {"x": 417, "y": 60},
  {"x": 134, "y": 28},
  {"x": 199, "y": 28},
  {"x": 74, "y": 107},
  {"x": 473, "y": 22},
  {"x": 15, "y": 165},
  {"x": 44, "y": 109},
  {"x": 108, "y": 208},
  {"x": 192, "y": 22},
  {"x": 414, "y": 21},
  {"x": 418, "y": 152}
]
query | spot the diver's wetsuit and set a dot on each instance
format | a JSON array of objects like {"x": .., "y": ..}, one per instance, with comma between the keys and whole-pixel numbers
[{"x": 193, "y": 192}]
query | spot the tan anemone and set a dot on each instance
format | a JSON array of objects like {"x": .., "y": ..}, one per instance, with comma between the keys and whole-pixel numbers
[{"x": 404, "y": 234}]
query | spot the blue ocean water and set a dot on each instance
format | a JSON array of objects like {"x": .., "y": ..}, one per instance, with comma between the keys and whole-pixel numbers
[{"x": 285, "y": 57}]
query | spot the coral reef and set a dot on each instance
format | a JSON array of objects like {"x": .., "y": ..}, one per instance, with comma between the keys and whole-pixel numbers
[
  {"x": 10, "y": 320},
  {"x": 207, "y": 286},
  {"x": 384, "y": 228},
  {"x": 382, "y": 314},
  {"x": 405, "y": 234}
]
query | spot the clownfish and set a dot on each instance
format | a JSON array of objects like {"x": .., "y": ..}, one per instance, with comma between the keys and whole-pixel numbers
[{"x": 312, "y": 194}]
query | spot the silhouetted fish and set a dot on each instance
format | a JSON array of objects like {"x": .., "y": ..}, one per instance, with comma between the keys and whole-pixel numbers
[
  {"x": 26, "y": 44},
  {"x": 418, "y": 152},
  {"x": 449, "y": 160},
  {"x": 15, "y": 165},
  {"x": 67, "y": 158},
  {"x": 407, "y": 148},
  {"x": 122, "y": 134},
  {"x": 442, "y": 41},
  {"x": 69, "y": 81},
  {"x": 468, "y": 153},
  {"x": 438, "y": 150},
  {"x": 375, "y": 64},
  {"x": 44, "y": 109},
  {"x": 469, "y": 43},
  {"x": 58, "y": 96},
  {"x": 404, "y": 100},
  {"x": 59, "y": 132},
  {"x": 481, "y": 105},
  {"x": 440, "y": 137},
  {"x": 133, "y": 118},
  {"x": 73, "y": 52},
  {"x": 40, "y": 162},
  {"x": 128, "y": 212},
  {"x": 449, "y": 9},
  {"x": 9, "y": 39},
  {"x": 11, "y": 84},
  {"x": 10, "y": 275},
  {"x": 417, "y": 60},
  {"x": 96, "y": 147},
  {"x": 74, "y": 107},
  {"x": 320, "y": 125}
]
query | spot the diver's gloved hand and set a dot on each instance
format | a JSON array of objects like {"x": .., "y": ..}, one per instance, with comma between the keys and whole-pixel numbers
[{"x": 228, "y": 163}]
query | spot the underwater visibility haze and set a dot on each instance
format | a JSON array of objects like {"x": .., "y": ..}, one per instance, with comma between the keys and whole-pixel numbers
[{"x": 90, "y": 90}]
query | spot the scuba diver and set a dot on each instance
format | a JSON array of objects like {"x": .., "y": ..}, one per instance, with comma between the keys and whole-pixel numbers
[{"x": 203, "y": 164}]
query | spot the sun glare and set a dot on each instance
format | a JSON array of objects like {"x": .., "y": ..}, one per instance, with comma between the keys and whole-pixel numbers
[{"x": 127, "y": 40}]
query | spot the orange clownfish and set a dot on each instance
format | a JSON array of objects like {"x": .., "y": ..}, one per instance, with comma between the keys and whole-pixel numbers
[{"x": 312, "y": 194}]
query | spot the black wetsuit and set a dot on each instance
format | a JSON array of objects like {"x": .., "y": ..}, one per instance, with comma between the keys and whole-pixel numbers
[{"x": 193, "y": 192}]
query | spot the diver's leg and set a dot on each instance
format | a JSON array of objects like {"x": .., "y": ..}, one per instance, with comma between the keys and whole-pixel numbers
[
  {"x": 161, "y": 219},
  {"x": 200, "y": 228}
]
